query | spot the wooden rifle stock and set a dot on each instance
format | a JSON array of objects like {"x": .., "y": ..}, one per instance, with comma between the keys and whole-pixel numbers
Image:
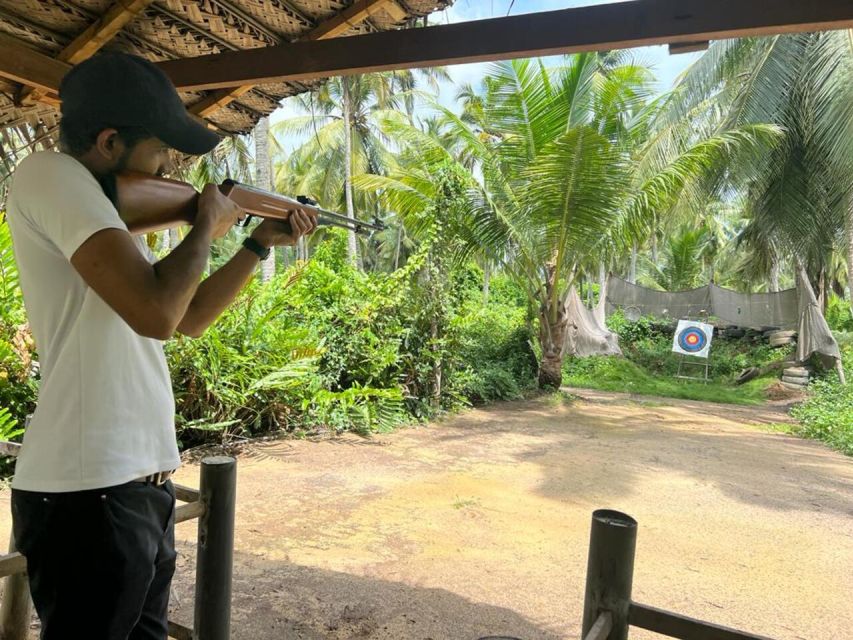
[{"x": 149, "y": 203}]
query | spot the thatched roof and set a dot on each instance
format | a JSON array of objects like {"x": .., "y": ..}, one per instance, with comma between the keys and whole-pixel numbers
[{"x": 172, "y": 29}]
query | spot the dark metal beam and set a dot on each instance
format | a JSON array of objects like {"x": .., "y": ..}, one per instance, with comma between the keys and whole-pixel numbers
[{"x": 597, "y": 28}]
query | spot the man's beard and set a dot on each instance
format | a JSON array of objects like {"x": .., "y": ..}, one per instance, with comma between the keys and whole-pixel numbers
[{"x": 108, "y": 181}]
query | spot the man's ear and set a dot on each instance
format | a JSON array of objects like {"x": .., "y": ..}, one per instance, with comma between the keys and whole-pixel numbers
[{"x": 108, "y": 145}]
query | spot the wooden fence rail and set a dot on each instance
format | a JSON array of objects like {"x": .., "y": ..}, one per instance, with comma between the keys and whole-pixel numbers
[
  {"x": 213, "y": 504},
  {"x": 609, "y": 576}
]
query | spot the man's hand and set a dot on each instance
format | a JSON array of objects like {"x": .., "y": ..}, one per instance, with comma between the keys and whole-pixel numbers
[
  {"x": 274, "y": 233},
  {"x": 217, "y": 212}
]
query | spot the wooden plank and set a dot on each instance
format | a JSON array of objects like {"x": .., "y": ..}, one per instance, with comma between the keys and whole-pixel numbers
[
  {"x": 92, "y": 39},
  {"x": 188, "y": 512},
  {"x": 602, "y": 627},
  {"x": 12, "y": 563},
  {"x": 594, "y": 28},
  {"x": 103, "y": 30},
  {"x": 185, "y": 494},
  {"x": 678, "y": 626},
  {"x": 179, "y": 631},
  {"x": 27, "y": 66},
  {"x": 349, "y": 17},
  {"x": 218, "y": 99},
  {"x": 688, "y": 47},
  {"x": 9, "y": 448},
  {"x": 15, "y": 610}
]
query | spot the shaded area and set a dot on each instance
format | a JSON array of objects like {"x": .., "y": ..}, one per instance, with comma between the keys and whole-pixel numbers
[{"x": 479, "y": 525}]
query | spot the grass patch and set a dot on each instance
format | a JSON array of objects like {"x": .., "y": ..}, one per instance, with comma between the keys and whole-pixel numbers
[{"x": 620, "y": 374}]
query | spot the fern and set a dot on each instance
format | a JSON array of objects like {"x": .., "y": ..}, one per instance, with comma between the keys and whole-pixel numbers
[{"x": 8, "y": 425}]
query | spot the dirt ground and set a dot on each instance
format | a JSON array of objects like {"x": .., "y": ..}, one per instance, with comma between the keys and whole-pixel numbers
[{"x": 479, "y": 525}]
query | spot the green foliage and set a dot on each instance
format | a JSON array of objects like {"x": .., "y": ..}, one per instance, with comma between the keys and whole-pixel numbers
[
  {"x": 839, "y": 314},
  {"x": 682, "y": 267},
  {"x": 495, "y": 355},
  {"x": 649, "y": 366},
  {"x": 17, "y": 350},
  {"x": 827, "y": 415},
  {"x": 624, "y": 375}
]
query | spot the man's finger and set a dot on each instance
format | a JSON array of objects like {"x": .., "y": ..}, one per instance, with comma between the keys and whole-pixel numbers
[
  {"x": 304, "y": 223},
  {"x": 297, "y": 224}
]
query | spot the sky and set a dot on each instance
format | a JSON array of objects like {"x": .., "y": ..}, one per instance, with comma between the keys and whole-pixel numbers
[{"x": 666, "y": 67}]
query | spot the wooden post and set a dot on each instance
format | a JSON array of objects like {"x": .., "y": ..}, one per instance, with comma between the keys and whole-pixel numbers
[
  {"x": 15, "y": 612},
  {"x": 610, "y": 570},
  {"x": 218, "y": 488}
]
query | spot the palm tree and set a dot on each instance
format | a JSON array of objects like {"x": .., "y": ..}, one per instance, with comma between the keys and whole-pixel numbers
[
  {"x": 801, "y": 194},
  {"x": 263, "y": 180},
  {"x": 566, "y": 164},
  {"x": 683, "y": 261},
  {"x": 343, "y": 139}
]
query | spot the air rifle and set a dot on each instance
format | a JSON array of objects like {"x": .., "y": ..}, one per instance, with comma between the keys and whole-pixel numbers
[{"x": 149, "y": 203}]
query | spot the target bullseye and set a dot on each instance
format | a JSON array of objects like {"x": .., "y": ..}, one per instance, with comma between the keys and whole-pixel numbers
[{"x": 692, "y": 338}]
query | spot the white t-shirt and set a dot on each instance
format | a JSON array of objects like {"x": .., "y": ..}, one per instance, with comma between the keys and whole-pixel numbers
[{"x": 105, "y": 412}]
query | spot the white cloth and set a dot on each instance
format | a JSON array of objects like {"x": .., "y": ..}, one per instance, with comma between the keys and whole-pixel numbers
[{"x": 105, "y": 412}]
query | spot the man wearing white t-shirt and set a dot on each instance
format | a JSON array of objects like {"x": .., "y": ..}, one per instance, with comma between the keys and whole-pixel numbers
[{"x": 92, "y": 503}]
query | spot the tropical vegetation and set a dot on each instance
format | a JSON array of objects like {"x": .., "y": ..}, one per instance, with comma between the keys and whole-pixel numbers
[{"x": 546, "y": 178}]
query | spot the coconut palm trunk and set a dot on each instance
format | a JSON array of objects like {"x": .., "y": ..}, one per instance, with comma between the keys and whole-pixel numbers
[
  {"x": 850, "y": 255},
  {"x": 552, "y": 333},
  {"x": 774, "y": 275},
  {"x": 263, "y": 180},
  {"x": 352, "y": 246}
]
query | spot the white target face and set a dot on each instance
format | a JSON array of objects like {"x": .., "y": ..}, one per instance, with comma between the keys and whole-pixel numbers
[{"x": 693, "y": 338}]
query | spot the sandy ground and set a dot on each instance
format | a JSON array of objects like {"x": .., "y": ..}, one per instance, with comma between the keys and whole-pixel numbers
[{"x": 480, "y": 525}]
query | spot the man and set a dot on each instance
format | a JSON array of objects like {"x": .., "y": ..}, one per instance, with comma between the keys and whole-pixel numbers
[{"x": 92, "y": 506}]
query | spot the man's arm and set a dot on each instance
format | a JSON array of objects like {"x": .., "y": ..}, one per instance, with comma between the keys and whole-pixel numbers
[
  {"x": 153, "y": 299},
  {"x": 222, "y": 286}
]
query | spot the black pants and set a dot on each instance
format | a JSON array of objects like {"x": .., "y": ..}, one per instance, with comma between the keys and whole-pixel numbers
[{"x": 100, "y": 562}]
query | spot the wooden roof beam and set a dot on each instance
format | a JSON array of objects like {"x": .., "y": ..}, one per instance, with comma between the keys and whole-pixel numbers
[
  {"x": 105, "y": 29},
  {"x": 331, "y": 28},
  {"x": 594, "y": 28},
  {"x": 93, "y": 38},
  {"x": 353, "y": 15},
  {"x": 27, "y": 66}
]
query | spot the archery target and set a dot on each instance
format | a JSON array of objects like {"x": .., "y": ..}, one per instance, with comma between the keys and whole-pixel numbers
[{"x": 693, "y": 338}]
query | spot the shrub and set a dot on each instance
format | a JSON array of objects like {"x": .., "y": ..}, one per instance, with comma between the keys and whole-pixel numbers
[
  {"x": 839, "y": 314},
  {"x": 827, "y": 414}
]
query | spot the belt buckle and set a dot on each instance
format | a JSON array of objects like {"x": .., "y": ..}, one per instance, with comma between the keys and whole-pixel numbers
[{"x": 159, "y": 479}]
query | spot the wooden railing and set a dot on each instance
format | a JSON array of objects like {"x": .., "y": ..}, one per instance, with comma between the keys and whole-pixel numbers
[
  {"x": 608, "y": 608},
  {"x": 213, "y": 504}
]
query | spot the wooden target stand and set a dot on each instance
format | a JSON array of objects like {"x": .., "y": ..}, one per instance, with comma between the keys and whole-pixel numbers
[{"x": 702, "y": 367}]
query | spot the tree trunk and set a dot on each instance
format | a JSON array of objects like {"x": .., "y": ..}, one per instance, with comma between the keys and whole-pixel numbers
[
  {"x": 487, "y": 277},
  {"x": 552, "y": 334},
  {"x": 774, "y": 275},
  {"x": 263, "y": 180},
  {"x": 632, "y": 271},
  {"x": 552, "y": 338},
  {"x": 850, "y": 254},
  {"x": 352, "y": 246},
  {"x": 397, "y": 248},
  {"x": 600, "y": 310},
  {"x": 822, "y": 298}
]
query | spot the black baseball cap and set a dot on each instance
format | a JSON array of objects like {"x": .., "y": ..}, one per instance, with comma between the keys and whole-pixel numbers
[{"x": 114, "y": 89}]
